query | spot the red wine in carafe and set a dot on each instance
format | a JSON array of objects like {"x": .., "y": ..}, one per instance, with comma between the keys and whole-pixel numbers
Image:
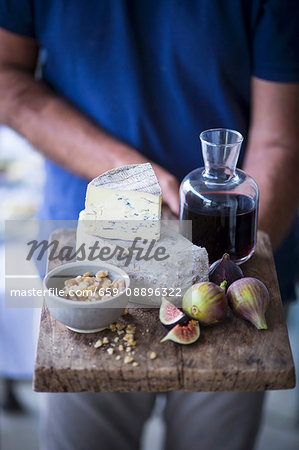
[{"x": 222, "y": 222}]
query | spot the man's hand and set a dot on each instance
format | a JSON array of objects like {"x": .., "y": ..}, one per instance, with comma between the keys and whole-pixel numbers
[
  {"x": 170, "y": 188},
  {"x": 56, "y": 128},
  {"x": 272, "y": 155}
]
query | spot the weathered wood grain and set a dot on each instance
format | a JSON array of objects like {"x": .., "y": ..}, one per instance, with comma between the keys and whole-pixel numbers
[{"x": 230, "y": 356}]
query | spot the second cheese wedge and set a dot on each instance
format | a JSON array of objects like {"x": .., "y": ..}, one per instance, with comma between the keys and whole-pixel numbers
[{"x": 125, "y": 203}]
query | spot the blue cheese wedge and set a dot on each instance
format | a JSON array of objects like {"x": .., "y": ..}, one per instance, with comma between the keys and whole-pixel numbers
[{"x": 124, "y": 203}]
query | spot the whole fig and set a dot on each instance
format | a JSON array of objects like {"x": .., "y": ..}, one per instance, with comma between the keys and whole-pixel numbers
[
  {"x": 224, "y": 270},
  {"x": 249, "y": 298},
  {"x": 205, "y": 302}
]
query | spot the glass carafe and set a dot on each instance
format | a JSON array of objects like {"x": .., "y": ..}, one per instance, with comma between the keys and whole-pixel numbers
[{"x": 220, "y": 200}]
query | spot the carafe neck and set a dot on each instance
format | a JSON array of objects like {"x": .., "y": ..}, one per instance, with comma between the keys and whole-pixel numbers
[{"x": 220, "y": 150}]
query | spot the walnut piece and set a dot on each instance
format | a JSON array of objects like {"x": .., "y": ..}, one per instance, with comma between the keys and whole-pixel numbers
[
  {"x": 128, "y": 359},
  {"x": 98, "y": 344}
]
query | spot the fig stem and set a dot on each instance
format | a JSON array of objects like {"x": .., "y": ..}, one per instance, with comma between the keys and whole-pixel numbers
[{"x": 223, "y": 285}]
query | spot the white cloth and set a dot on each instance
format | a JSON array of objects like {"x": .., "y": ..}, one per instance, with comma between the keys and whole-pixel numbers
[{"x": 18, "y": 334}]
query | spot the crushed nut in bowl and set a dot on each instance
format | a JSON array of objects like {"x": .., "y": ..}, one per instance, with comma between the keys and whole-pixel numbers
[{"x": 90, "y": 288}]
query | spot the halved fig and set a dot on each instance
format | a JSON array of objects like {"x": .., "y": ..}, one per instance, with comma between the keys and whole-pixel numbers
[
  {"x": 183, "y": 334},
  {"x": 170, "y": 315}
]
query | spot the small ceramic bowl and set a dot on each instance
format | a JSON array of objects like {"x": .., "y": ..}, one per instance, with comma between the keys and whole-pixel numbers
[{"x": 84, "y": 316}]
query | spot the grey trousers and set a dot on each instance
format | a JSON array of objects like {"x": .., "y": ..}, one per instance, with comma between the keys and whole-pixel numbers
[{"x": 114, "y": 421}]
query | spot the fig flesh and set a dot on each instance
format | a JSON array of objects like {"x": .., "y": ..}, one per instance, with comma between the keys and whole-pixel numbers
[
  {"x": 249, "y": 298},
  {"x": 183, "y": 334},
  {"x": 225, "y": 270},
  {"x": 205, "y": 302},
  {"x": 170, "y": 315}
]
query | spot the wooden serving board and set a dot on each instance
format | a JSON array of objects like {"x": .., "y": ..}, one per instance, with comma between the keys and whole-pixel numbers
[{"x": 230, "y": 356}]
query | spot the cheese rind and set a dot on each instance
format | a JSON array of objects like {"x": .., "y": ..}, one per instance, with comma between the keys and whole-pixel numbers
[
  {"x": 141, "y": 177},
  {"x": 128, "y": 193}
]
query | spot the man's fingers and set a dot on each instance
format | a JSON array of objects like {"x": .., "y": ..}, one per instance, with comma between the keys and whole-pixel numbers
[
  {"x": 170, "y": 188},
  {"x": 172, "y": 199},
  {"x": 170, "y": 191}
]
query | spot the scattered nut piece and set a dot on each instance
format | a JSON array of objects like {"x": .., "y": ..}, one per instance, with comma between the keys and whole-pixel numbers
[
  {"x": 110, "y": 350},
  {"x": 125, "y": 312},
  {"x": 117, "y": 357},
  {"x": 128, "y": 337},
  {"x": 120, "y": 325},
  {"x": 120, "y": 347},
  {"x": 116, "y": 339},
  {"x": 112, "y": 327},
  {"x": 119, "y": 332},
  {"x": 98, "y": 344},
  {"x": 153, "y": 355},
  {"x": 105, "y": 340},
  {"x": 130, "y": 329},
  {"x": 147, "y": 330},
  {"x": 128, "y": 349},
  {"x": 135, "y": 364},
  {"x": 128, "y": 359}
]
